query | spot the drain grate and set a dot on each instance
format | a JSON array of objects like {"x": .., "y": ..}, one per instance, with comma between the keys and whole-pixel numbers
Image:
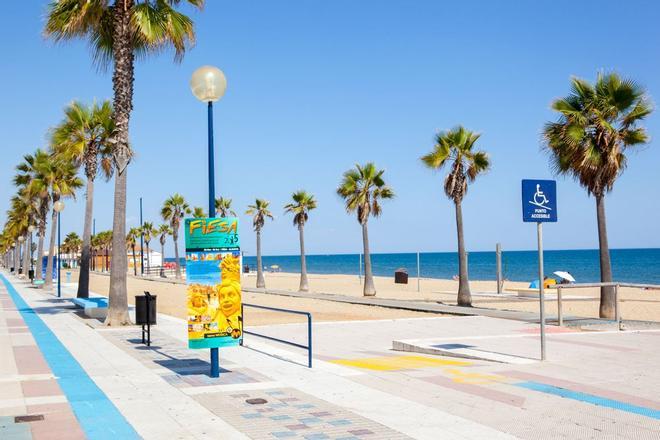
[{"x": 30, "y": 418}]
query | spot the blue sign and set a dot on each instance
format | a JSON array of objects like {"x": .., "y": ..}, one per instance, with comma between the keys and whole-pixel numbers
[{"x": 539, "y": 201}]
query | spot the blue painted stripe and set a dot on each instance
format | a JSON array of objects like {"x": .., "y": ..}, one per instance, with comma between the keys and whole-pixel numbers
[
  {"x": 97, "y": 415},
  {"x": 590, "y": 398}
]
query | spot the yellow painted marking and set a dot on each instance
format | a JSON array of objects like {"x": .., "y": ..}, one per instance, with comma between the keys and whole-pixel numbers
[
  {"x": 473, "y": 378},
  {"x": 392, "y": 363}
]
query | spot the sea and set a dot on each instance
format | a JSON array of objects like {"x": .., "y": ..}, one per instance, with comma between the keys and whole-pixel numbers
[{"x": 628, "y": 265}]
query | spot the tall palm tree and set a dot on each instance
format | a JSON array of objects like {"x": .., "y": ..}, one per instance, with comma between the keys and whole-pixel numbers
[
  {"x": 303, "y": 202},
  {"x": 597, "y": 124},
  {"x": 362, "y": 189},
  {"x": 174, "y": 209},
  {"x": 118, "y": 31},
  {"x": 259, "y": 212},
  {"x": 198, "y": 212},
  {"x": 131, "y": 241},
  {"x": 58, "y": 176},
  {"x": 455, "y": 148},
  {"x": 223, "y": 208},
  {"x": 83, "y": 137},
  {"x": 36, "y": 187},
  {"x": 148, "y": 232},
  {"x": 163, "y": 231}
]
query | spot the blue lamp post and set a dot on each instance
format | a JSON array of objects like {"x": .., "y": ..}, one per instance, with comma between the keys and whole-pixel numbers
[
  {"x": 58, "y": 207},
  {"x": 208, "y": 84}
]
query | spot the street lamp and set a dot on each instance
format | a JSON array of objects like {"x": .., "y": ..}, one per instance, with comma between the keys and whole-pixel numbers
[
  {"x": 208, "y": 84},
  {"x": 58, "y": 207}
]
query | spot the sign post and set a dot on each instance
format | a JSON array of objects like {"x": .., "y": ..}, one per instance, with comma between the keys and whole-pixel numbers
[
  {"x": 539, "y": 205},
  {"x": 213, "y": 277}
]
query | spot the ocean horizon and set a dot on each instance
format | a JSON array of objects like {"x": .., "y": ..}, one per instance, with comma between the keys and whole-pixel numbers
[{"x": 628, "y": 265}]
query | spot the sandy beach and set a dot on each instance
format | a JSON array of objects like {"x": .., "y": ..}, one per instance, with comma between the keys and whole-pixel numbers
[
  {"x": 636, "y": 304},
  {"x": 172, "y": 301}
]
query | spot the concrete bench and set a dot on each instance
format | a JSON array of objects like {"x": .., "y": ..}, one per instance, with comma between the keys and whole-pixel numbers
[{"x": 93, "y": 307}]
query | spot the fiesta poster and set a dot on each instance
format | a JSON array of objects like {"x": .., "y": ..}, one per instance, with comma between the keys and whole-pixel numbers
[{"x": 213, "y": 278}]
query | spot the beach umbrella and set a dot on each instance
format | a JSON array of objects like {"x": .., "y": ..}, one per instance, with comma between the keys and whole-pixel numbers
[{"x": 565, "y": 275}]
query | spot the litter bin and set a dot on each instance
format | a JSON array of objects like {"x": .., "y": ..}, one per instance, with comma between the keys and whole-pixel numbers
[
  {"x": 145, "y": 309},
  {"x": 31, "y": 274},
  {"x": 401, "y": 276},
  {"x": 246, "y": 268}
]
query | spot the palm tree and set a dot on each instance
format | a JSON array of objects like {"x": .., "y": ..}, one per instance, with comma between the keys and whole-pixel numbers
[
  {"x": 174, "y": 209},
  {"x": 131, "y": 241},
  {"x": 223, "y": 208},
  {"x": 163, "y": 231},
  {"x": 597, "y": 124},
  {"x": 105, "y": 242},
  {"x": 83, "y": 137},
  {"x": 362, "y": 189},
  {"x": 455, "y": 149},
  {"x": 58, "y": 176},
  {"x": 148, "y": 231},
  {"x": 198, "y": 212},
  {"x": 36, "y": 188},
  {"x": 259, "y": 212},
  {"x": 118, "y": 31},
  {"x": 72, "y": 244},
  {"x": 303, "y": 202}
]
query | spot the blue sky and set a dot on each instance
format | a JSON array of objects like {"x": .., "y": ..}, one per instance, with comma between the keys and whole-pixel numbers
[{"x": 315, "y": 87}]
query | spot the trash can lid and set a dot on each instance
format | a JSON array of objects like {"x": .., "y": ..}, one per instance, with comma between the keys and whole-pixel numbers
[{"x": 402, "y": 269}]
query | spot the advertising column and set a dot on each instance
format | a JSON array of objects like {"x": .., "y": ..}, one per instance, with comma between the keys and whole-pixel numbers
[{"x": 213, "y": 278}]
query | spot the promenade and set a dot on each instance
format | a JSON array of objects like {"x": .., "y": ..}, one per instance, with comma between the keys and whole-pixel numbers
[{"x": 66, "y": 376}]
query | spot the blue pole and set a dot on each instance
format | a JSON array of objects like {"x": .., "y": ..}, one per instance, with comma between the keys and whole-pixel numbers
[
  {"x": 59, "y": 284},
  {"x": 141, "y": 242},
  {"x": 215, "y": 364},
  {"x": 211, "y": 163}
]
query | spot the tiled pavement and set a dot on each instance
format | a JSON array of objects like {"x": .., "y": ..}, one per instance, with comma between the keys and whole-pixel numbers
[
  {"x": 274, "y": 413},
  {"x": 32, "y": 404},
  {"x": 594, "y": 386}
]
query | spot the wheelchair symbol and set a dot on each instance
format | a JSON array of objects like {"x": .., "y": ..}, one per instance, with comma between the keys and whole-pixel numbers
[{"x": 540, "y": 199}]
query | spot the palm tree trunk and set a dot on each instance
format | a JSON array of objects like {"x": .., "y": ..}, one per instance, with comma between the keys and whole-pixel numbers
[
  {"x": 122, "y": 84},
  {"x": 134, "y": 263},
  {"x": 162, "y": 260},
  {"x": 607, "y": 299},
  {"x": 26, "y": 257},
  {"x": 304, "y": 284},
  {"x": 175, "y": 236},
  {"x": 464, "y": 295},
  {"x": 17, "y": 253},
  {"x": 40, "y": 257},
  {"x": 83, "y": 276},
  {"x": 261, "y": 283},
  {"x": 48, "y": 284},
  {"x": 118, "y": 296},
  {"x": 369, "y": 288}
]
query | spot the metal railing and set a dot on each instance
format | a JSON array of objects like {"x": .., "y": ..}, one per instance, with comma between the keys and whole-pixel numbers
[
  {"x": 307, "y": 347},
  {"x": 617, "y": 309}
]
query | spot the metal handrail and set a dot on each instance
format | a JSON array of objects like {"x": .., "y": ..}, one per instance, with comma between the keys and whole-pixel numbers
[
  {"x": 307, "y": 347},
  {"x": 617, "y": 313}
]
